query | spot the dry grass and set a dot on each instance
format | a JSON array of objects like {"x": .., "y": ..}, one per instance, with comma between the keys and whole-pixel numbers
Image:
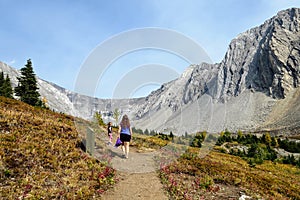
[
  {"x": 41, "y": 158},
  {"x": 193, "y": 177},
  {"x": 223, "y": 176}
]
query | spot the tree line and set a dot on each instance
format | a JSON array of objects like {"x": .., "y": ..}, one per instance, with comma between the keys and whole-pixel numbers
[
  {"x": 26, "y": 90},
  {"x": 261, "y": 148},
  {"x": 252, "y": 148}
]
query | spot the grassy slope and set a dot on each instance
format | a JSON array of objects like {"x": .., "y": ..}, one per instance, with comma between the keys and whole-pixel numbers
[
  {"x": 192, "y": 177},
  {"x": 40, "y": 156}
]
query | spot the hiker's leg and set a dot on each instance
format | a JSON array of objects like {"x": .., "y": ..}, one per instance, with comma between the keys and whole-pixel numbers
[
  {"x": 126, "y": 149},
  {"x": 110, "y": 138},
  {"x": 123, "y": 148}
]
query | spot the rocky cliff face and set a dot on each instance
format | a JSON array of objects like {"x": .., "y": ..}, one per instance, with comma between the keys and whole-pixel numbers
[
  {"x": 263, "y": 59},
  {"x": 254, "y": 87}
]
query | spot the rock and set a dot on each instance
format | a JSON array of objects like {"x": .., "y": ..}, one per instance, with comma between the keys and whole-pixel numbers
[{"x": 244, "y": 197}]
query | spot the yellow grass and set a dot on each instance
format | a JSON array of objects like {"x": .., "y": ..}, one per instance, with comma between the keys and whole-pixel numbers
[{"x": 40, "y": 156}]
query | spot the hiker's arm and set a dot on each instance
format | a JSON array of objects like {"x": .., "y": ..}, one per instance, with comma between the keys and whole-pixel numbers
[
  {"x": 130, "y": 132},
  {"x": 119, "y": 131}
]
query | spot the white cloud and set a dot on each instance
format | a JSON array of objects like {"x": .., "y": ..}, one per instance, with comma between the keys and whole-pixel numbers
[{"x": 11, "y": 62}]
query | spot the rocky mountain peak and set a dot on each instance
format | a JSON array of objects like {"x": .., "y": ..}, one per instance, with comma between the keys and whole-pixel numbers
[{"x": 265, "y": 58}]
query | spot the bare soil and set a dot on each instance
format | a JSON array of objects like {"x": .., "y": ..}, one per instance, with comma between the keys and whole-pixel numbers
[
  {"x": 137, "y": 177},
  {"x": 136, "y": 186}
]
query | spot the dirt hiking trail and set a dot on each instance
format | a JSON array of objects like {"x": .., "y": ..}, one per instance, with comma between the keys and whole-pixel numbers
[
  {"x": 137, "y": 176},
  {"x": 138, "y": 179},
  {"x": 136, "y": 186}
]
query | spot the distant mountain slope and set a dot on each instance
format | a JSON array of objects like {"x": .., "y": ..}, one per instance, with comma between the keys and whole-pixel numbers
[
  {"x": 63, "y": 100},
  {"x": 254, "y": 87}
]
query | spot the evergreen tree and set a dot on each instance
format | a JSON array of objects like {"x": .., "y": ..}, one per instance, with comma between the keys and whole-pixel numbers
[
  {"x": 27, "y": 88},
  {"x": 1, "y": 83},
  {"x": 146, "y": 132},
  {"x": 239, "y": 136},
  {"x": 152, "y": 132},
  {"x": 1, "y": 78},
  {"x": 171, "y": 135},
  {"x": 5, "y": 86},
  {"x": 186, "y": 134},
  {"x": 274, "y": 142},
  {"x": 298, "y": 162},
  {"x": 7, "y": 89}
]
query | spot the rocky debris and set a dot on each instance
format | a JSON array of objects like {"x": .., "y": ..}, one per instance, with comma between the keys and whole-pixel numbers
[
  {"x": 282, "y": 153},
  {"x": 244, "y": 197}
]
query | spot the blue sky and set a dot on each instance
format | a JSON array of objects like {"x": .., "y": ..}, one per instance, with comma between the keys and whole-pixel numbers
[{"x": 59, "y": 35}]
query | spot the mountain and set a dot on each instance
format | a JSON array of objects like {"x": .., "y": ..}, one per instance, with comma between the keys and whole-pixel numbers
[
  {"x": 255, "y": 87},
  {"x": 258, "y": 80}
]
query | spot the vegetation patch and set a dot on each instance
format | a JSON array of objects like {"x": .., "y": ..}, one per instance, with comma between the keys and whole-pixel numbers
[
  {"x": 225, "y": 175},
  {"x": 257, "y": 149},
  {"x": 220, "y": 175},
  {"x": 40, "y": 156}
]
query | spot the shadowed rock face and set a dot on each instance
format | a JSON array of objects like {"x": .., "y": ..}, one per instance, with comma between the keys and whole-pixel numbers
[
  {"x": 260, "y": 71},
  {"x": 265, "y": 58},
  {"x": 275, "y": 66}
]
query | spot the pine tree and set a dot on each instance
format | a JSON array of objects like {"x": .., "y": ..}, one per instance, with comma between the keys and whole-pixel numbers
[
  {"x": 5, "y": 86},
  {"x": 27, "y": 88},
  {"x": 1, "y": 83},
  {"x": 171, "y": 135},
  {"x": 7, "y": 89},
  {"x": 274, "y": 142},
  {"x": 146, "y": 132}
]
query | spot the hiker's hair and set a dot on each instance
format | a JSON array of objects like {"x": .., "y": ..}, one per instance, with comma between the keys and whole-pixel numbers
[{"x": 125, "y": 123}]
